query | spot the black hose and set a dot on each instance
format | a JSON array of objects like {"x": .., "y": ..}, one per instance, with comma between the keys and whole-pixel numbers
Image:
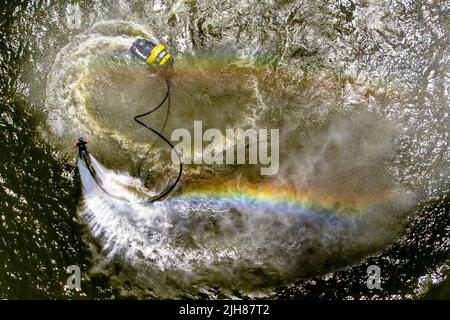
[
  {"x": 88, "y": 165},
  {"x": 168, "y": 190}
]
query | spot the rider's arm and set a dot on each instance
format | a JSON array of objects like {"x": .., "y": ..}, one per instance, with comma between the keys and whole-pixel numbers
[
  {"x": 88, "y": 141},
  {"x": 73, "y": 143}
]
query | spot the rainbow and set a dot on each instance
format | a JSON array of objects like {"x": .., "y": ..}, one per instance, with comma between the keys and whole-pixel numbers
[{"x": 281, "y": 196}]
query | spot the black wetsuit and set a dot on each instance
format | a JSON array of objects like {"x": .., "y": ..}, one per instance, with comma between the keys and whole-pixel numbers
[{"x": 81, "y": 147}]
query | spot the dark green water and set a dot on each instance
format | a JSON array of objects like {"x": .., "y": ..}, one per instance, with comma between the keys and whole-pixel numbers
[{"x": 372, "y": 78}]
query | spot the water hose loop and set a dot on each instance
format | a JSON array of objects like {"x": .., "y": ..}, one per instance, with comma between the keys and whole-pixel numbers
[{"x": 168, "y": 190}]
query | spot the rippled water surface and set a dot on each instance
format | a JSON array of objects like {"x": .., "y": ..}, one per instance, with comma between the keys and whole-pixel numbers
[{"x": 358, "y": 90}]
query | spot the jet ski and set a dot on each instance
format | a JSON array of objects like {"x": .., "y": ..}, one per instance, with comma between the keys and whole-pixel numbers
[{"x": 151, "y": 53}]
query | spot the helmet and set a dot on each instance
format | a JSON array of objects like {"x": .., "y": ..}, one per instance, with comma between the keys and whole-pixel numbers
[{"x": 80, "y": 139}]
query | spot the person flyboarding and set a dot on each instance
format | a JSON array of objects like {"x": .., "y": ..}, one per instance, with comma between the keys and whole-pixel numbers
[{"x": 81, "y": 145}]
